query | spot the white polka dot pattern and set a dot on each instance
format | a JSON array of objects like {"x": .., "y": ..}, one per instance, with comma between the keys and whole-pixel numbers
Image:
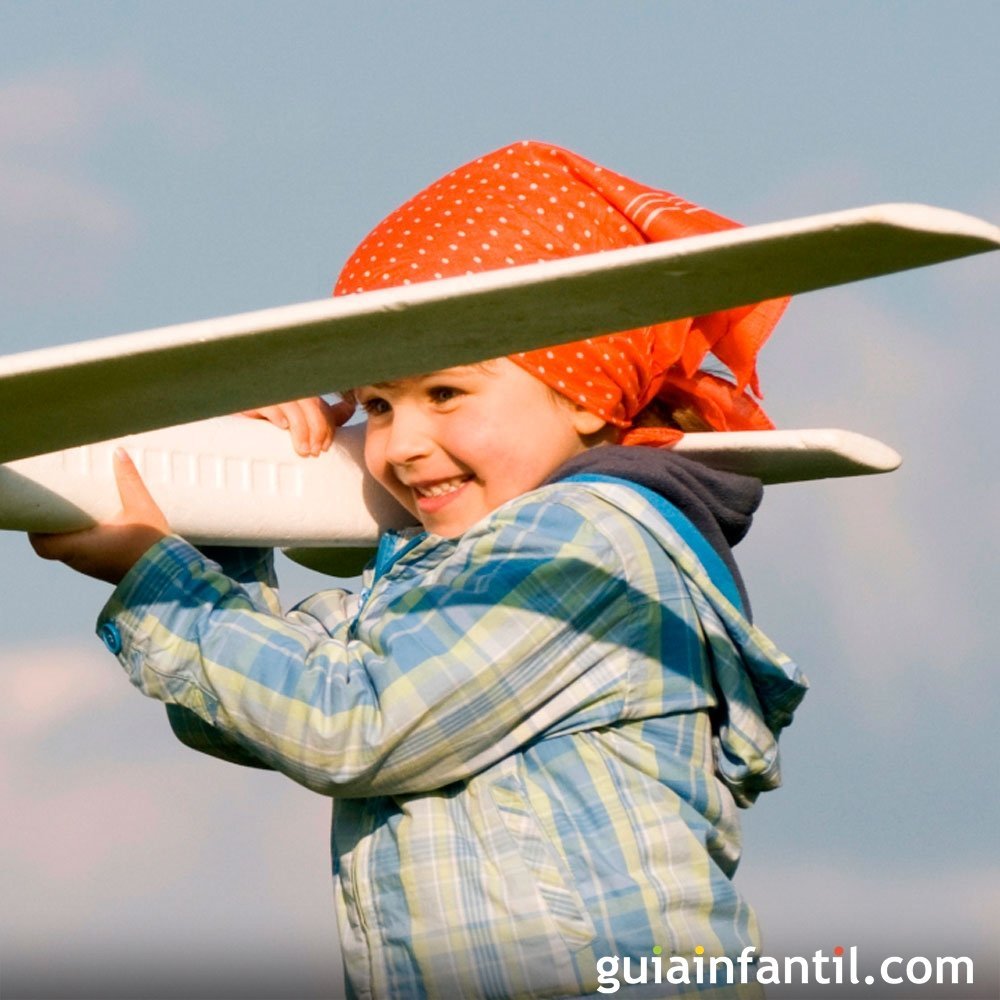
[{"x": 531, "y": 202}]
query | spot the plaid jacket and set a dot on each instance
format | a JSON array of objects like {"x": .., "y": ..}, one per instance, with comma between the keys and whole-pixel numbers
[{"x": 537, "y": 734}]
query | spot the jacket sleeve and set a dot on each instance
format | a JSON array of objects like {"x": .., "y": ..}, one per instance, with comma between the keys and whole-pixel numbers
[
  {"x": 520, "y": 632},
  {"x": 197, "y": 734},
  {"x": 254, "y": 569}
]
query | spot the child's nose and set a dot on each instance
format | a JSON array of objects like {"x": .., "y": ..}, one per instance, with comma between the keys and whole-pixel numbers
[{"x": 408, "y": 439}]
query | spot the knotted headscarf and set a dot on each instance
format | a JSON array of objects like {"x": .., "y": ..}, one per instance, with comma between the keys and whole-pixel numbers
[{"x": 531, "y": 202}]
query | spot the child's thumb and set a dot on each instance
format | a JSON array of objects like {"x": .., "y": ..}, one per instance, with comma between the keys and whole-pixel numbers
[{"x": 135, "y": 497}]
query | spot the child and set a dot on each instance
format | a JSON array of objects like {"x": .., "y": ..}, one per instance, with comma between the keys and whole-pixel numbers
[{"x": 541, "y": 712}]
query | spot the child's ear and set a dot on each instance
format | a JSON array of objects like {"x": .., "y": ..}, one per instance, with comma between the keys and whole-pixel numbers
[{"x": 585, "y": 422}]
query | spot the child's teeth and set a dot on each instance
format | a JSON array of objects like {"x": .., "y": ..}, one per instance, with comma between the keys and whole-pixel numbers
[{"x": 440, "y": 488}]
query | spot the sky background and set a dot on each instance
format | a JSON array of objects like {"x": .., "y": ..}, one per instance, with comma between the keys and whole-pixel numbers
[{"x": 169, "y": 162}]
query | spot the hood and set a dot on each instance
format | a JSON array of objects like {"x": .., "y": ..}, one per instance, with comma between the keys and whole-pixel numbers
[
  {"x": 758, "y": 687},
  {"x": 719, "y": 504}
]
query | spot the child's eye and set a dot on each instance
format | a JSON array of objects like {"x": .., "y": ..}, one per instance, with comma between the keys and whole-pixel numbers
[
  {"x": 443, "y": 393},
  {"x": 375, "y": 406}
]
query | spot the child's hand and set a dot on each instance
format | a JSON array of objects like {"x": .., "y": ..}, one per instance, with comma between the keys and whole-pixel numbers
[
  {"x": 108, "y": 551},
  {"x": 311, "y": 422}
]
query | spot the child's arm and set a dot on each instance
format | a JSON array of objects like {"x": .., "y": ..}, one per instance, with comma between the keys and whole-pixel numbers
[
  {"x": 109, "y": 551},
  {"x": 449, "y": 676},
  {"x": 253, "y": 569}
]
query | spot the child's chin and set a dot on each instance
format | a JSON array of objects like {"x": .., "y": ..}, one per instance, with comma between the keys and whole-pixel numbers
[
  {"x": 444, "y": 529},
  {"x": 450, "y": 524}
]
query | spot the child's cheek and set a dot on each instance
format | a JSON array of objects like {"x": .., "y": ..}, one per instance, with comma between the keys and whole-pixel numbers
[
  {"x": 489, "y": 450},
  {"x": 371, "y": 455},
  {"x": 375, "y": 461}
]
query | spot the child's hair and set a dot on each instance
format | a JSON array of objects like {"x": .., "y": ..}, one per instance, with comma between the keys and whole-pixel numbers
[{"x": 533, "y": 201}]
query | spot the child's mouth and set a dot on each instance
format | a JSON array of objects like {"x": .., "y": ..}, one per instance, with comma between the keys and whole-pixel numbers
[{"x": 433, "y": 496}]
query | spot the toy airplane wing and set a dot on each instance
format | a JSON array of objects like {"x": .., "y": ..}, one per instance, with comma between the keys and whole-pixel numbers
[
  {"x": 80, "y": 393},
  {"x": 65, "y": 398}
]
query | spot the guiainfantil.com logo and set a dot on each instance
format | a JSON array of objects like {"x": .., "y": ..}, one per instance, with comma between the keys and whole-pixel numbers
[{"x": 840, "y": 967}]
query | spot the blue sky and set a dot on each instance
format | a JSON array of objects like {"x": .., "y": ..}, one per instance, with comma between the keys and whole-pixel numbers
[{"x": 167, "y": 162}]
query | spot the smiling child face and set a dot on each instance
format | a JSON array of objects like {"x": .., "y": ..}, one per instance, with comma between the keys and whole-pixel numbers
[{"x": 454, "y": 445}]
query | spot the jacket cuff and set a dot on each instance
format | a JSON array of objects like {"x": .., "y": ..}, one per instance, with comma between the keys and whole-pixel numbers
[{"x": 144, "y": 584}]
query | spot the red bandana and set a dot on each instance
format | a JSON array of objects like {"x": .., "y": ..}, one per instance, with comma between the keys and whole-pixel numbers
[{"x": 532, "y": 202}]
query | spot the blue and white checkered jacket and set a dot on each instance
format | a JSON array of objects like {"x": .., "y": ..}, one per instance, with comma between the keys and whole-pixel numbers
[{"x": 537, "y": 734}]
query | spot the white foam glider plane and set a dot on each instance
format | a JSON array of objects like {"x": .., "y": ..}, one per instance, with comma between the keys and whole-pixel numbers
[{"x": 229, "y": 480}]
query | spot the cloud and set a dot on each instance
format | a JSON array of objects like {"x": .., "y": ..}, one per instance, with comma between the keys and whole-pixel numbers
[
  {"x": 54, "y": 771},
  {"x": 71, "y": 107},
  {"x": 118, "y": 840},
  {"x": 64, "y": 106},
  {"x": 51, "y": 776},
  {"x": 47, "y": 685},
  {"x": 63, "y": 234},
  {"x": 43, "y": 200},
  {"x": 65, "y": 227}
]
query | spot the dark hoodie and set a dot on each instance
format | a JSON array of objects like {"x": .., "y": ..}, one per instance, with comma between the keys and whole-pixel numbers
[{"x": 719, "y": 504}]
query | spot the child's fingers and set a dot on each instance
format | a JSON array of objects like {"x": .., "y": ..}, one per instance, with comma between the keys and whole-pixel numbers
[
  {"x": 138, "y": 504},
  {"x": 298, "y": 427},
  {"x": 311, "y": 422},
  {"x": 48, "y": 546},
  {"x": 70, "y": 547},
  {"x": 131, "y": 489},
  {"x": 272, "y": 414},
  {"x": 105, "y": 552},
  {"x": 319, "y": 417},
  {"x": 288, "y": 417},
  {"x": 108, "y": 550}
]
